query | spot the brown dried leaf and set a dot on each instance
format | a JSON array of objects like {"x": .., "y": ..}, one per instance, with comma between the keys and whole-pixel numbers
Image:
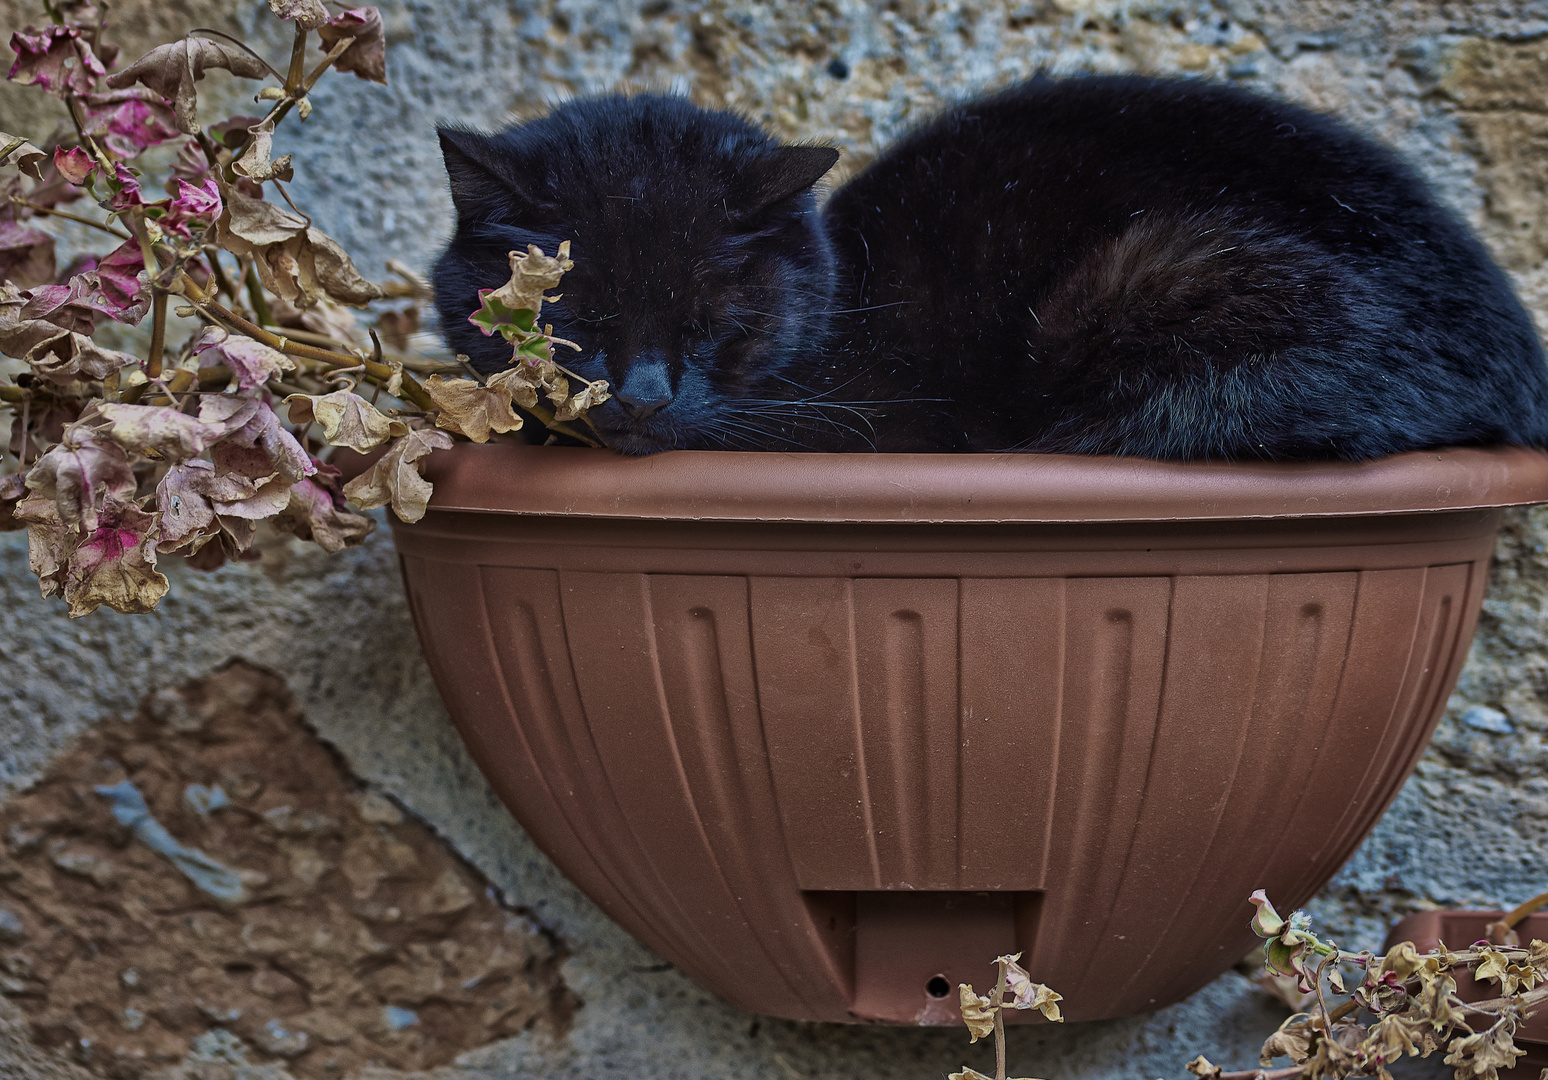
[
  {"x": 977, "y": 1013},
  {"x": 1481, "y": 1056},
  {"x": 1292, "y": 1040},
  {"x": 367, "y": 53},
  {"x": 247, "y": 224},
  {"x": 171, "y": 71},
  {"x": 255, "y": 162},
  {"x": 80, "y": 476},
  {"x": 346, "y": 419},
  {"x": 156, "y": 430},
  {"x": 595, "y": 394},
  {"x": 395, "y": 478},
  {"x": 68, "y": 356},
  {"x": 252, "y": 362},
  {"x": 314, "y": 515},
  {"x": 185, "y": 512},
  {"x": 1202, "y": 1067},
  {"x": 1393, "y": 1037},
  {"x": 17, "y": 151},
  {"x": 260, "y": 448},
  {"x": 26, "y": 255},
  {"x": 309, "y": 14},
  {"x": 470, "y": 408},
  {"x": 18, "y": 335},
  {"x": 522, "y": 382},
  {"x": 337, "y": 274},
  {"x": 49, "y": 541},
  {"x": 531, "y": 274},
  {"x": 1511, "y": 977}
]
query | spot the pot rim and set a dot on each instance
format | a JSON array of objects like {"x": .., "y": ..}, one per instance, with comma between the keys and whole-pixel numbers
[{"x": 715, "y": 485}]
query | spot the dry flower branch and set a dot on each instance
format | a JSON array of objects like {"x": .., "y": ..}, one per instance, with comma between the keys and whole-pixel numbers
[
  {"x": 115, "y": 459},
  {"x": 1404, "y": 1004}
]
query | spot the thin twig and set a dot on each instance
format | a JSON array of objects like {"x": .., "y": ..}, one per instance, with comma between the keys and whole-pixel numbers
[{"x": 38, "y": 209}]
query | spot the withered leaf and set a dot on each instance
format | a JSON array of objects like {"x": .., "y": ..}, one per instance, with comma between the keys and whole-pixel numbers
[
  {"x": 575, "y": 405},
  {"x": 247, "y": 224},
  {"x": 313, "y": 514},
  {"x": 68, "y": 356},
  {"x": 337, "y": 274},
  {"x": 1481, "y": 1056},
  {"x": 17, "y": 151},
  {"x": 57, "y": 59},
  {"x": 533, "y": 273},
  {"x": 299, "y": 264},
  {"x": 255, "y": 162},
  {"x": 252, "y": 362},
  {"x": 1026, "y": 994},
  {"x": 346, "y": 419},
  {"x": 395, "y": 478},
  {"x": 128, "y": 121},
  {"x": 1511, "y": 976},
  {"x": 185, "y": 511},
  {"x": 19, "y": 334},
  {"x": 977, "y": 1012},
  {"x": 116, "y": 565},
  {"x": 1203, "y": 1068},
  {"x": 309, "y": 14},
  {"x": 367, "y": 52},
  {"x": 26, "y": 255},
  {"x": 158, "y": 430},
  {"x": 49, "y": 541},
  {"x": 80, "y": 475},
  {"x": 171, "y": 71},
  {"x": 469, "y": 408},
  {"x": 1292, "y": 1040},
  {"x": 260, "y": 448}
]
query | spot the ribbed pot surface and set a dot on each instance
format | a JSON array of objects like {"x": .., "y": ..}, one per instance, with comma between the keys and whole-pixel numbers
[{"x": 830, "y": 761}]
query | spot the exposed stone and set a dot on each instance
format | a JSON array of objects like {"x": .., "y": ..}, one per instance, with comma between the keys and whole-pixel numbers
[{"x": 349, "y": 910}]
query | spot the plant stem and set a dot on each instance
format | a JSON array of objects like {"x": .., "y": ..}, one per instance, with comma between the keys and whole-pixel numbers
[
  {"x": 36, "y": 209},
  {"x": 256, "y": 298},
  {"x": 999, "y": 1023},
  {"x": 158, "y": 341},
  {"x": 1264, "y": 1074},
  {"x": 297, "y": 61}
]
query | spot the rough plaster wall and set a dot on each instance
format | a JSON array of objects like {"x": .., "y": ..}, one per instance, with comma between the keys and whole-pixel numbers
[{"x": 1461, "y": 88}]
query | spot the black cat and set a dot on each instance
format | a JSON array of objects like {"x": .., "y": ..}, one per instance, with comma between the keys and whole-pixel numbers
[{"x": 1099, "y": 265}]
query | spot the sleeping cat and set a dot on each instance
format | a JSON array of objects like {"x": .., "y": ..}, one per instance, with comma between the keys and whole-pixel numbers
[{"x": 1098, "y": 265}]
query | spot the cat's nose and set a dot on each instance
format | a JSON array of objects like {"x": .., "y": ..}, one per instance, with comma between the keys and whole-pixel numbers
[{"x": 646, "y": 389}]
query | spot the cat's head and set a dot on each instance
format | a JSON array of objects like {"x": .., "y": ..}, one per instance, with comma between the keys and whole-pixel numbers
[{"x": 701, "y": 268}]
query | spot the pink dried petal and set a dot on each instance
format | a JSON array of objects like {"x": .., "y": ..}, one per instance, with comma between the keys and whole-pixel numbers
[
  {"x": 55, "y": 59},
  {"x": 128, "y": 121},
  {"x": 367, "y": 55},
  {"x": 74, "y": 164},
  {"x": 127, "y": 195},
  {"x": 118, "y": 277}
]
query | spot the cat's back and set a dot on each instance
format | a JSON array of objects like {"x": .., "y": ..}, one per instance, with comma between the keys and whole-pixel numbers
[{"x": 1178, "y": 269}]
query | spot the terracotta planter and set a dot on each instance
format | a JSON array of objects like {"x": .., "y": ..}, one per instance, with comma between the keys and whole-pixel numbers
[
  {"x": 1459, "y": 929},
  {"x": 829, "y": 732}
]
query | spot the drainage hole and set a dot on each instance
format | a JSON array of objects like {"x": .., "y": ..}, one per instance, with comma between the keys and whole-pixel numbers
[{"x": 938, "y": 987}]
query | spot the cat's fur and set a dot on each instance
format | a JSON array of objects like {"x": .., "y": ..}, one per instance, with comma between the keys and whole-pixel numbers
[{"x": 1164, "y": 268}]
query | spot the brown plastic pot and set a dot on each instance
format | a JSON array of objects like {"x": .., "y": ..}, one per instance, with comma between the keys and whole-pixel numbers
[
  {"x": 1459, "y": 929},
  {"x": 830, "y": 732}
]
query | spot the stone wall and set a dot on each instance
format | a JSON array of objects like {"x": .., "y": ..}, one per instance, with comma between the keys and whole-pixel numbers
[{"x": 1461, "y": 89}]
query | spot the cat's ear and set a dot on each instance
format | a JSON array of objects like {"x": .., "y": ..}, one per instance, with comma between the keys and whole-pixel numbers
[
  {"x": 483, "y": 181},
  {"x": 785, "y": 173}
]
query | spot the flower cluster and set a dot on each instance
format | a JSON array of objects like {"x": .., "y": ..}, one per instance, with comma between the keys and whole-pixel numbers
[{"x": 116, "y": 457}]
